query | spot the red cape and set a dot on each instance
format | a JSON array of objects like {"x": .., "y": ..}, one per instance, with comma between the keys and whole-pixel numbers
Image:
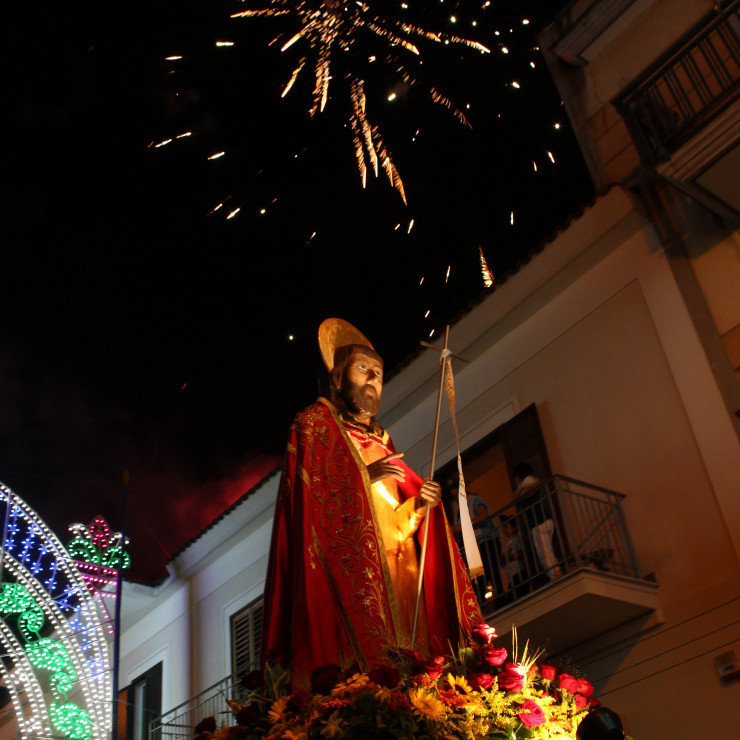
[{"x": 328, "y": 596}]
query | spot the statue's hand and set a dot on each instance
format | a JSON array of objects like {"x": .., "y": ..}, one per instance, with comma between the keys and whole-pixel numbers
[
  {"x": 430, "y": 492},
  {"x": 386, "y": 468}
]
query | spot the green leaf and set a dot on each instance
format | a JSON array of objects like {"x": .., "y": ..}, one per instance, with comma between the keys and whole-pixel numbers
[{"x": 366, "y": 704}]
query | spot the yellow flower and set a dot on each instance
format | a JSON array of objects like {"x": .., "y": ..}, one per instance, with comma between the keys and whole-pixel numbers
[
  {"x": 277, "y": 710},
  {"x": 334, "y": 726},
  {"x": 426, "y": 705},
  {"x": 459, "y": 684}
]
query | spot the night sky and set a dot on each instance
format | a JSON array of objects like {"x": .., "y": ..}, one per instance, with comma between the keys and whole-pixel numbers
[{"x": 142, "y": 331}]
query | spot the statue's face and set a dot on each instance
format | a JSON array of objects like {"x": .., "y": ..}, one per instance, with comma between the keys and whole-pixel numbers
[{"x": 362, "y": 384}]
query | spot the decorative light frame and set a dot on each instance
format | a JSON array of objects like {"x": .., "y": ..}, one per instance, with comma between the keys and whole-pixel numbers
[{"x": 38, "y": 562}]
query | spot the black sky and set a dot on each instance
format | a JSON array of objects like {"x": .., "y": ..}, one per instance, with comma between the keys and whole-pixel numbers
[{"x": 139, "y": 332}]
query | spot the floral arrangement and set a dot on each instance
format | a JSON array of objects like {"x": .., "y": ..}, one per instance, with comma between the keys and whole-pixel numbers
[{"x": 479, "y": 693}]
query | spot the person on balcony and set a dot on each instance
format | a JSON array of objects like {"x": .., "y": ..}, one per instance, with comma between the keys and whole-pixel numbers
[
  {"x": 512, "y": 552},
  {"x": 485, "y": 534},
  {"x": 533, "y": 504},
  {"x": 343, "y": 570},
  {"x": 478, "y": 509}
]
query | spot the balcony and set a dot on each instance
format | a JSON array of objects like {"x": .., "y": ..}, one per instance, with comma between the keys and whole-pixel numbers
[
  {"x": 560, "y": 565},
  {"x": 180, "y": 723},
  {"x": 686, "y": 89}
]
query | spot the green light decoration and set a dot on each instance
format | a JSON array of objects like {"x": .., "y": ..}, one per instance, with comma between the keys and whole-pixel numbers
[
  {"x": 53, "y": 656},
  {"x": 97, "y": 545},
  {"x": 14, "y": 599},
  {"x": 46, "y": 654},
  {"x": 81, "y": 549},
  {"x": 70, "y": 720},
  {"x": 116, "y": 558}
]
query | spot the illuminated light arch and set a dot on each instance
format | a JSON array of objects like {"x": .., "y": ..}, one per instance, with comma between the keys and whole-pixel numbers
[{"x": 60, "y": 684}]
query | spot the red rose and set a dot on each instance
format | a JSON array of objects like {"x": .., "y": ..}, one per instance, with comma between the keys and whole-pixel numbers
[
  {"x": 547, "y": 671},
  {"x": 246, "y": 715},
  {"x": 384, "y": 675},
  {"x": 593, "y": 702},
  {"x": 481, "y": 681},
  {"x": 584, "y": 687},
  {"x": 484, "y": 632},
  {"x": 430, "y": 669},
  {"x": 512, "y": 677},
  {"x": 567, "y": 682},
  {"x": 253, "y": 680},
  {"x": 324, "y": 679},
  {"x": 492, "y": 655},
  {"x": 580, "y": 700},
  {"x": 532, "y": 714},
  {"x": 206, "y": 725},
  {"x": 298, "y": 701}
]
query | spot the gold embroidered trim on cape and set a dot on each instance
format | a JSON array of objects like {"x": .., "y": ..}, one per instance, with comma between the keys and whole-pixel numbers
[{"x": 353, "y": 641}]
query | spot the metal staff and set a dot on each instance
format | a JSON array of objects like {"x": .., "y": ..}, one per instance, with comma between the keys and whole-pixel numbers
[{"x": 442, "y": 360}]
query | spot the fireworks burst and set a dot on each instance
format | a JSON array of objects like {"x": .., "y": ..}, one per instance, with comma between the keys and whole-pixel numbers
[
  {"x": 485, "y": 269},
  {"x": 327, "y": 26}
]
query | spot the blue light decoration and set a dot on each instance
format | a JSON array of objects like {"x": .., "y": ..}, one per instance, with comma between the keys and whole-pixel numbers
[{"x": 40, "y": 585}]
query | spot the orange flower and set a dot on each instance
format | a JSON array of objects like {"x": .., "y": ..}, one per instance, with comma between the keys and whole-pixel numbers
[
  {"x": 452, "y": 699},
  {"x": 277, "y": 710},
  {"x": 353, "y": 685},
  {"x": 335, "y": 703}
]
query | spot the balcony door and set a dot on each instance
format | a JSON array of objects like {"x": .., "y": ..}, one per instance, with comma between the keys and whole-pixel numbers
[{"x": 488, "y": 465}]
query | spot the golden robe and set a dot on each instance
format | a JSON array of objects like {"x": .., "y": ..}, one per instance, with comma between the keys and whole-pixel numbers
[{"x": 398, "y": 521}]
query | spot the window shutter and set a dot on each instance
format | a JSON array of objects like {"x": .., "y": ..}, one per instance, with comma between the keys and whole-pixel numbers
[
  {"x": 122, "y": 714},
  {"x": 246, "y": 637}
]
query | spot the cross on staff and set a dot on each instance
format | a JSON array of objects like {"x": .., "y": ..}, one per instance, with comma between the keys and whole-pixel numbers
[{"x": 445, "y": 355}]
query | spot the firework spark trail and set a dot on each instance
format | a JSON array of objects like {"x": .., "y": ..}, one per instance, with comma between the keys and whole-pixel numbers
[
  {"x": 485, "y": 269},
  {"x": 327, "y": 25}
]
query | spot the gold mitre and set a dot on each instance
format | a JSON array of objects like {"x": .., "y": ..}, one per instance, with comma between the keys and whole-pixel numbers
[{"x": 336, "y": 333}]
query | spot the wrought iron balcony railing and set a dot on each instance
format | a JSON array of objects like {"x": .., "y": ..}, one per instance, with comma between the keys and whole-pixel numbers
[
  {"x": 180, "y": 723},
  {"x": 686, "y": 88},
  {"x": 563, "y": 526}
]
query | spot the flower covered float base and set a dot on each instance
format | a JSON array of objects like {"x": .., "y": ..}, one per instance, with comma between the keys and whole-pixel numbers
[{"x": 479, "y": 693}]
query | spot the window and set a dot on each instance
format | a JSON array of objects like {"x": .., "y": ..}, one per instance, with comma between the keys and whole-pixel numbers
[
  {"x": 144, "y": 703},
  {"x": 246, "y": 637}
]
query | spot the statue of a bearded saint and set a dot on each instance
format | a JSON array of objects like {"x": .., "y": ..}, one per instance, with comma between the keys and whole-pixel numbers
[{"x": 343, "y": 570}]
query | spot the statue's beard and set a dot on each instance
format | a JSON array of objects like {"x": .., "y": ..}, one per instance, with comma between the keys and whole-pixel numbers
[{"x": 360, "y": 400}]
